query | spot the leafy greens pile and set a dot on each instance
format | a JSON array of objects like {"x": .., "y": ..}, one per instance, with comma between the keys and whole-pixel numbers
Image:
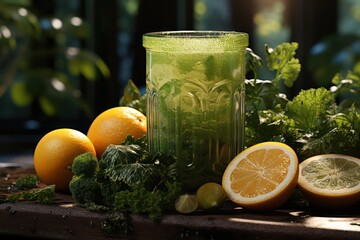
[
  {"x": 315, "y": 121},
  {"x": 127, "y": 178}
]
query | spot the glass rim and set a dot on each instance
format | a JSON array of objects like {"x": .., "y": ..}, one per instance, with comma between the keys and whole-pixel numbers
[
  {"x": 195, "y": 34},
  {"x": 195, "y": 40}
]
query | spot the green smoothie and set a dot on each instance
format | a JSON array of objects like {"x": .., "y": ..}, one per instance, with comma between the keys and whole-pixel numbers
[{"x": 195, "y": 89}]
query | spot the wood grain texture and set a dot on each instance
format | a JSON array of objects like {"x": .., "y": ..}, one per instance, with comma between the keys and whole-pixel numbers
[{"x": 64, "y": 220}]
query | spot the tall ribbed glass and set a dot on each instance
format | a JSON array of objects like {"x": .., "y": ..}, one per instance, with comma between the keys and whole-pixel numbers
[{"x": 195, "y": 99}]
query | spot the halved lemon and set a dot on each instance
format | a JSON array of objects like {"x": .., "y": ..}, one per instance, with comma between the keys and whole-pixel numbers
[
  {"x": 262, "y": 177},
  {"x": 330, "y": 180}
]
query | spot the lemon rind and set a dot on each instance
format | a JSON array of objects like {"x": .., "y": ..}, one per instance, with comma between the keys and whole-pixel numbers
[{"x": 293, "y": 170}]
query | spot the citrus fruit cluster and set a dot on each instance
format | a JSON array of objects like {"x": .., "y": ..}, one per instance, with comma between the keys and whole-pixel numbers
[
  {"x": 209, "y": 196},
  {"x": 264, "y": 176},
  {"x": 54, "y": 153}
]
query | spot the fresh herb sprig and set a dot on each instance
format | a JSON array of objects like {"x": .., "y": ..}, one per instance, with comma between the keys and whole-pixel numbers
[{"x": 282, "y": 60}]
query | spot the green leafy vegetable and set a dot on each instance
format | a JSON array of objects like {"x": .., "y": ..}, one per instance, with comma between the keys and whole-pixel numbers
[
  {"x": 309, "y": 109},
  {"x": 281, "y": 59},
  {"x": 85, "y": 189},
  {"x": 315, "y": 121},
  {"x": 27, "y": 182},
  {"x": 85, "y": 164},
  {"x": 120, "y": 156},
  {"x": 290, "y": 72},
  {"x": 210, "y": 68},
  {"x": 347, "y": 88},
  {"x": 252, "y": 62},
  {"x": 154, "y": 203},
  {"x": 44, "y": 195},
  {"x": 132, "y": 98},
  {"x": 148, "y": 178},
  {"x": 83, "y": 186},
  {"x": 127, "y": 179}
]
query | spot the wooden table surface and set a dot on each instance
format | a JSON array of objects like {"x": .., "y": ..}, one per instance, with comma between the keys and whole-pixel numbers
[{"x": 64, "y": 220}]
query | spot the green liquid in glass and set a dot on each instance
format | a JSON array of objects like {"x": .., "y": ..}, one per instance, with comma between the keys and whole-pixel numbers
[{"x": 195, "y": 88}]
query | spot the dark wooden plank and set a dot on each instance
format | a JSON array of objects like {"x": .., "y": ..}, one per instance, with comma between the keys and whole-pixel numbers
[{"x": 64, "y": 220}]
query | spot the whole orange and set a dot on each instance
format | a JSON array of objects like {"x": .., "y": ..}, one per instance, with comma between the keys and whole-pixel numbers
[
  {"x": 114, "y": 125},
  {"x": 54, "y": 154}
]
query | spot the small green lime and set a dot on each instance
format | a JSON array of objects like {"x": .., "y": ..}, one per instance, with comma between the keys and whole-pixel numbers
[
  {"x": 186, "y": 203},
  {"x": 210, "y": 196}
]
